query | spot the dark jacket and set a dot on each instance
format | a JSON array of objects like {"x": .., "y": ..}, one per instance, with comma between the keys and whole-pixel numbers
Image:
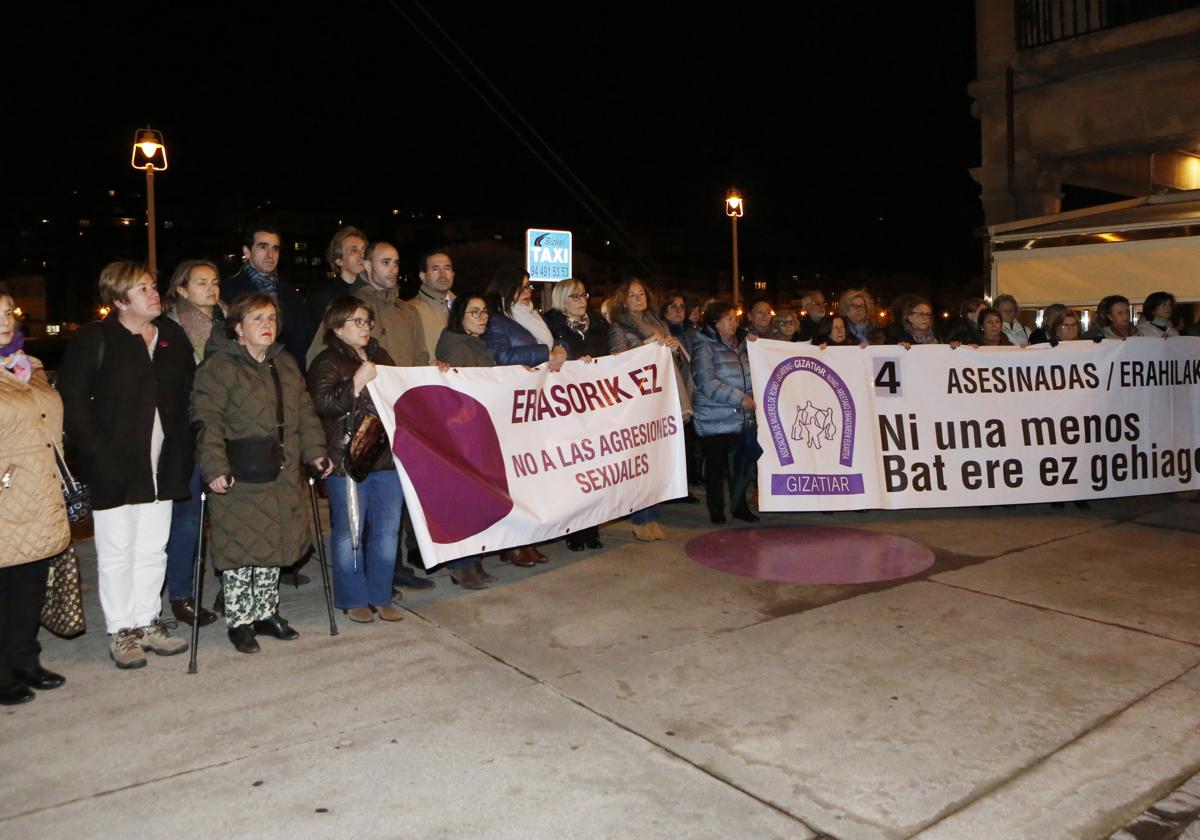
[
  {"x": 722, "y": 377},
  {"x": 906, "y": 336},
  {"x": 234, "y": 397},
  {"x": 110, "y": 389},
  {"x": 296, "y": 332},
  {"x": 592, "y": 343},
  {"x": 512, "y": 344},
  {"x": 319, "y": 298},
  {"x": 462, "y": 350},
  {"x": 331, "y": 386}
]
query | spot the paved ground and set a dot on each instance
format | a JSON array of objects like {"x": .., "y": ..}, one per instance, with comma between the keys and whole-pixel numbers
[{"x": 1039, "y": 681}]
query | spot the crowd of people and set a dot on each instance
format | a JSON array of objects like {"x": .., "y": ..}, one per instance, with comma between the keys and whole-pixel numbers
[{"x": 237, "y": 394}]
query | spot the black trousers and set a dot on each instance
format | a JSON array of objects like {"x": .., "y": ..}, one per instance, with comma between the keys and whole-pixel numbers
[
  {"x": 727, "y": 458},
  {"x": 22, "y": 591}
]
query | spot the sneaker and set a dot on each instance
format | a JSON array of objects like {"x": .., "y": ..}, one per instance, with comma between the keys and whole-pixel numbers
[
  {"x": 156, "y": 636},
  {"x": 126, "y": 650}
]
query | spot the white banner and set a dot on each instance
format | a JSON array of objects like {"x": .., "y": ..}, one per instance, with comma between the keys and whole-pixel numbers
[
  {"x": 883, "y": 427},
  {"x": 493, "y": 458}
]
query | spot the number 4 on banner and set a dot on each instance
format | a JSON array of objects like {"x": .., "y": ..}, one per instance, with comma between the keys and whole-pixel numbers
[{"x": 887, "y": 381}]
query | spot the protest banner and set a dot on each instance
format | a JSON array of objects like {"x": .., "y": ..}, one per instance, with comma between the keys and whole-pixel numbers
[
  {"x": 492, "y": 458},
  {"x": 847, "y": 428}
]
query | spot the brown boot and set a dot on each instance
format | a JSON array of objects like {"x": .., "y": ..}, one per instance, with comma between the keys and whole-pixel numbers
[
  {"x": 518, "y": 557},
  {"x": 467, "y": 578},
  {"x": 483, "y": 573},
  {"x": 537, "y": 555}
]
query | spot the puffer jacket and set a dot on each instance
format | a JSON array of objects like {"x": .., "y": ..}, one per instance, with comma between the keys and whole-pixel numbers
[
  {"x": 331, "y": 386},
  {"x": 234, "y": 397},
  {"x": 33, "y": 518},
  {"x": 722, "y": 377},
  {"x": 512, "y": 344}
]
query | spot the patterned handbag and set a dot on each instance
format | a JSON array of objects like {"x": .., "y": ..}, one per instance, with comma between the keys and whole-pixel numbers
[
  {"x": 75, "y": 493},
  {"x": 62, "y": 611}
]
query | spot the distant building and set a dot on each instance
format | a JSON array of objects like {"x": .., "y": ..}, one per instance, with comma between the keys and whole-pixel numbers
[{"x": 1098, "y": 94}]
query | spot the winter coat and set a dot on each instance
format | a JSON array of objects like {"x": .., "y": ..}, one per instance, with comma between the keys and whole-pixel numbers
[
  {"x": 110, "y": 389},
  {"x": 722, "y": 377},
  {"x": 462, "y": 350},
  {"x": 1148, "y": 329},
  {"x": 33, "y": 518},
  {"x": 593, "y": 343},
  {"x": 397, "y": 327},
  {"x": 234, "y": 397},
  {"x": 295, "y": 327},
  {"x": 512, "y": 344},
  {"x": 331, "y": 386},
  {"x": 434, "y": 314},
  {"x": 624, "y": 334}
]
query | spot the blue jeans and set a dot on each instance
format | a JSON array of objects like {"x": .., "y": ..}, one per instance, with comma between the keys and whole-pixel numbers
[
  {"x": 363, "y": 576},
  {"x": 646, "y": 515},
  {"x": 181, "y": 545}
]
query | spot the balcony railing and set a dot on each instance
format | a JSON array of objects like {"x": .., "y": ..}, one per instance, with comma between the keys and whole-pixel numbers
[{"x": 1046, "y": 21}]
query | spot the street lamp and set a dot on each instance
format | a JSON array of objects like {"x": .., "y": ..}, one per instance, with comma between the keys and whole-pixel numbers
[
  {"x": 149, "y": 154},
  {"x": 735, "y": 208}
]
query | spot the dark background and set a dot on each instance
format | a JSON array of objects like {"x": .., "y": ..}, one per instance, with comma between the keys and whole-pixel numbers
[{"x": 847, "y": 128}]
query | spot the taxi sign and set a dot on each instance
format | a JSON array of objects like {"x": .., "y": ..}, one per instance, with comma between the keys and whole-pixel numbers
[{"x": 548, "y": 254}]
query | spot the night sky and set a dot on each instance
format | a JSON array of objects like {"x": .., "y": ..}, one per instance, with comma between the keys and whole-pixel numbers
[{"x": 847, "y": 127}]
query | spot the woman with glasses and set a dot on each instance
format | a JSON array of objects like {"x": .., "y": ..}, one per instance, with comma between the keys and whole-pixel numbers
[
  {"x": 634, "y": 324},
  {"x": 251, "y": 464},
  {"x": 584, "y": 335},
  {"x": 916, "y": 321},
  {"x": 462, "y": 345},
  {"x": 1065, "y": 327},
  {"x": 516, "y": 333},
  {"x": 785, "y": 327},
  {"x": 337, "y": 381},
  {"x": 856, "y": 306}
]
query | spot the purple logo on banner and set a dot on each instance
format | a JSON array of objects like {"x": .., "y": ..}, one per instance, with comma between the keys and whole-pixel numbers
[
  {"x": 816, "y": 484},
  {"x": 812, "y": 417}
]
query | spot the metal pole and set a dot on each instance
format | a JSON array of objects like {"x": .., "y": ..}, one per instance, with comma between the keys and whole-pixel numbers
[
  {"x": 197, "y": 571},
  {"x": 737, "y": 284},
  {"x": 150, "y": 219}
]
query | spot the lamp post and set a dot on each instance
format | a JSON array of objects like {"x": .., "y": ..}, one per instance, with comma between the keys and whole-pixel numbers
[
  {"x": 735, "y": 208},
  {"x": 149, "y": 154}
]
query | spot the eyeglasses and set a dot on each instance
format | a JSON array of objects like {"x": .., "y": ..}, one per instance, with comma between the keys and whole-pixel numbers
[
  {"x": 921, "y": 315},
  {"x": 859, "y": 305},
  {"x": 525, "y": 286},
  {"x": 477, "y": 313},
  {"x": 787, "y": 322},
  {"x": 579, "y": 296},
  {"x": 360, "y": 322}
]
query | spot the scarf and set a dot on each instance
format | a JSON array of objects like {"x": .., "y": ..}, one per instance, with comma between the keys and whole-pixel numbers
[
  {"x": 264, "y": 282},
  {"x": 14, "y": 359},
  {"x": 647, "y": 325},
  {"x": 528, "y": 318},
  {"x": 578, "y": 326},
  {"x": 195, "y": 323},
  {"x": 926, "y": 337}
]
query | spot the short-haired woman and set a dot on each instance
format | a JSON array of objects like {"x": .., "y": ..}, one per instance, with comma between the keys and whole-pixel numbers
[
  {"x": 1158, "y": 314},
  {"x": 125, "y": 383},
  {"x": 337, "y": 381},
  {"x": 916, "y": 321},
  {"x": 1018, "y": 333},
  {"x": 193, "y": 302},
  {"x": 33, "y": 519},
  {"x": 991, "y": 328},
  {"x": 857, "y": 307},
  {"x": 256, "y": 426}
]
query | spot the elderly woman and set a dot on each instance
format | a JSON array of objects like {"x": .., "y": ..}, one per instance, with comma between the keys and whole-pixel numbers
[
  {"x": 633, "y": 324},
  {"x": 1157, "y": 314},
  {"x": 856, "y": 306},
  {"x": 125, "y": 383},
  {"x": 516, "y": 333},
  {"x": 584, "y": 335},
  {"x": 33, "y": 518},
  {"x": 725, "y": 412},
  {"x": 832, "y": 332},
  {"x": 785, "y": 327},
  {"x": 193, "y": 302},
  {"x": 462, "y": 344},
  {"x": 916, "y": 322},
  {"x": 337, "y": 381},
  {"x": 256, "y": 427},
  {"x": 1018, "y": 333},
  {"x": 1113, "y": 318},
  {"x": 991, "y": 327}
]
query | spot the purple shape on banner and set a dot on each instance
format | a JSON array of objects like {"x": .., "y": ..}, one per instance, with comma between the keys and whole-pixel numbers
[
  {"x": 808, "y": 364},
  {"x": 816, "y": 484},
  {"x": 456, "y": 466},
  {"x": 810, "y": 554}
]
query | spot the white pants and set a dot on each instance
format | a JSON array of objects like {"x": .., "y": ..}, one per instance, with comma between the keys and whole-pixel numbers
[{"x": 131, "y": 553}]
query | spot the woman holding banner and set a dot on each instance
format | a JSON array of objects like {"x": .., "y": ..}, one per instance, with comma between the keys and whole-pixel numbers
[
  {"x": 725, "y": 412},
  {"x": 631, "y": 311},
  {"x": 584, "y": 335},
  {"x": 516, "y": 333},
  {"x": 1113, "y": 319},
  {"x": 1157, "y": 314}
]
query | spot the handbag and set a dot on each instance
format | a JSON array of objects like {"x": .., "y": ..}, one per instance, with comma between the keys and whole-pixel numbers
[
  {"x": 62, "y": 611},
  {"x": 76, "y": 495},
  {"x": 367, "y": 444},
  {"x": 259, "y": 459}
]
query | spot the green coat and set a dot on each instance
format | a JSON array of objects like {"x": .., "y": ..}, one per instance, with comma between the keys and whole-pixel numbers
[{"x": 234, "y": 397}]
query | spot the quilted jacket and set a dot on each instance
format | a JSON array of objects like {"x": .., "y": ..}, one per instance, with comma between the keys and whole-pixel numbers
[
  {"x": 33, "y": 519},
  {"x": 234, "y": 397},
  {"x": 512, "y": 344},
  {"x": 722, "y": 376}
]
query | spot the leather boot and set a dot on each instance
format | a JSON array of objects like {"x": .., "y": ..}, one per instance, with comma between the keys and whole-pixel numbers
[
  {"x": 467, "y": 578},
  {"x": 518, "y": 557}
]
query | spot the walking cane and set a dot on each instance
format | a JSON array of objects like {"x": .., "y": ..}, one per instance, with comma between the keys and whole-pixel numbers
[
  {"x": 312, "y": 494},
  {"x": 196, "y": 574}
]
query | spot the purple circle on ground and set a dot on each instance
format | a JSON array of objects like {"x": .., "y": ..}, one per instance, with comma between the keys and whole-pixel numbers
[{"x": 810, "y": 554}]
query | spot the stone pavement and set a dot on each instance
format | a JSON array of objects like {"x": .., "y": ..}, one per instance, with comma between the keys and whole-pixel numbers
[{"x": 1040, "y": 680}]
